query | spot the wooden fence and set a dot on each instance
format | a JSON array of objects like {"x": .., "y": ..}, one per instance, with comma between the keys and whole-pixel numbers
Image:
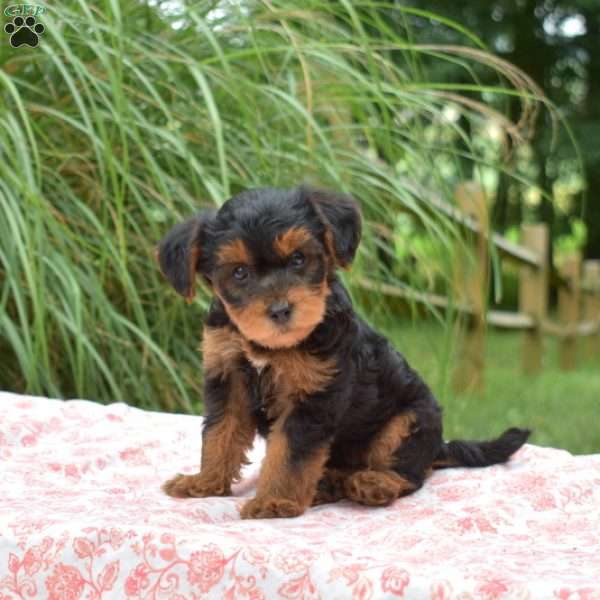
[{"x": 578, "y": 284}]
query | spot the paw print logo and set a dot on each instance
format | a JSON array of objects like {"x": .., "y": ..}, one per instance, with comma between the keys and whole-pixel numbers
[{"x": 24, "y": 31}]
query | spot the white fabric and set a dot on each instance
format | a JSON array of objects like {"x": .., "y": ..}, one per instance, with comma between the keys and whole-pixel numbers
[{"x": 82, "y": 516}]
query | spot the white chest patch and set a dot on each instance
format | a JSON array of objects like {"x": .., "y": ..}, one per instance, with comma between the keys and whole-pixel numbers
[{"x": 258, "y": 363}]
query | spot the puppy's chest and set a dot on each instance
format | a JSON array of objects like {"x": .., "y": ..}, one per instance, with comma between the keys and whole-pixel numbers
[{"x": 282, "y": 378}]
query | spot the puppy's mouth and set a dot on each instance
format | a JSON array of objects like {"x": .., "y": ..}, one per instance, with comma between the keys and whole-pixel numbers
[
  {"x": 283, "y": 322},
  {"x": 284, "y": 336}
]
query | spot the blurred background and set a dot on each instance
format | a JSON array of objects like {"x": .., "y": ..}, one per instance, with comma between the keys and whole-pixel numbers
[{"x": 129, "y": 116}]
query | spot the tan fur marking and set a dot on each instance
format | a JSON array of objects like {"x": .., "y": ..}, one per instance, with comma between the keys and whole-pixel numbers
[
  {"x": 224, "y": 448},
  {"x": 291, "y": 240},
  {"x": 309, "y": 304},
  {"x": 303, "y": 372},
  {"x": 381, "y": 450},
  {"x": 309, "y": 309},
  {"x": 252, "y": 320},
  {"x": 225, "y": 444},
  {"x": 295, "y": 369},
  {"x": 284, "y": 490},
  {"x": 234, "y": 251},
  {"x": 221, "y": 349},
  {"x": 293, "y": 374}
]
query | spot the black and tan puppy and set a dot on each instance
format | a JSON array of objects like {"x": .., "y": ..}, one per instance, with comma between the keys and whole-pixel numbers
[{"x": 286, "y": 356}]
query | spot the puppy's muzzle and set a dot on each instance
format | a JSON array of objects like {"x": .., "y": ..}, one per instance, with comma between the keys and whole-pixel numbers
[{"x": 280, "y": 312}]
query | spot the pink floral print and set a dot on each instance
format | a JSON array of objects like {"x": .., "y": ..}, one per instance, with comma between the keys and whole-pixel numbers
[{"x": 82, "y": 517}]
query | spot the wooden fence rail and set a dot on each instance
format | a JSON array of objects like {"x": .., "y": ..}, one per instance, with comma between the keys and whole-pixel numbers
[{"x": 578, "y": 286}]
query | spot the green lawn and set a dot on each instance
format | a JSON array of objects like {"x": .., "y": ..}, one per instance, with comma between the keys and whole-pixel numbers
[{"x": 563, "y": 408}]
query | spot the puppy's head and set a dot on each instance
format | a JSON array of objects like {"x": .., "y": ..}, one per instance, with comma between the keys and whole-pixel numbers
[{"x": 268, "y": 255}]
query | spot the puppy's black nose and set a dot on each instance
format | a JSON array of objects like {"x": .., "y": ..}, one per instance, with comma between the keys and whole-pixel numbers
[{"x": 280, "y": 312}]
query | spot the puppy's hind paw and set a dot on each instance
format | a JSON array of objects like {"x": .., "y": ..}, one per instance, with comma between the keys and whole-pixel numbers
[
  {"x": 194, "y": 486},
  {"x": 376, "y": 488}
]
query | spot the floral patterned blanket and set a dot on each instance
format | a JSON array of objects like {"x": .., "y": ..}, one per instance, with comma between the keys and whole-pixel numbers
[{"x": 82, "y": 516}]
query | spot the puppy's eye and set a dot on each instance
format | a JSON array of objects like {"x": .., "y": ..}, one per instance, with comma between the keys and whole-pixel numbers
[
  {"x": 297, "y": 259},
  {"x": 240, "y": 273}
]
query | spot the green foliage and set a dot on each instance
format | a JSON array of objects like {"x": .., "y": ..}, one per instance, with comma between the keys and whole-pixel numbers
[
  {"x": 557, "y": 44},
  {"x": 126, "y": 119},
  {"x": 421, "y": 260},
  {"x": 572, "y": 241}
]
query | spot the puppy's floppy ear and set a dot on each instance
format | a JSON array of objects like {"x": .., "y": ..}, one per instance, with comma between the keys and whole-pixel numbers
[
  {"x": 340, "y": 214},
  {"x": 179, "y": 252}
]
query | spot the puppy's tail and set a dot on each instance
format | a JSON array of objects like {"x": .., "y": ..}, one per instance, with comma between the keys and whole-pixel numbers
[{"x": 481, "y": 454}]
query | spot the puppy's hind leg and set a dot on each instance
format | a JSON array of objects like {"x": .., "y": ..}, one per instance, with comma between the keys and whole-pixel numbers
[{"x": 397, "y": 461}]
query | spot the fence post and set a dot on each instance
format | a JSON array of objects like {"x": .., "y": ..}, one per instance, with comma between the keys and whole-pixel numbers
[
  {"x": 568, "y": 308},
  {"x": 591, "y": 304},
  {"x": 533, "y": 294},
  {"x": 471, "y": 284}
]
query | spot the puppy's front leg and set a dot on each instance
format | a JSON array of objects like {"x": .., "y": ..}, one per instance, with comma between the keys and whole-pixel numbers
[
  {"x": 229, "y": 427},
  {"x": 297, "y": 449}
]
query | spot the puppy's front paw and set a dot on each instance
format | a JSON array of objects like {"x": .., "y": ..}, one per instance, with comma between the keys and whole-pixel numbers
[
  {"x": 270, "y": 508},
  {"x": 195, "y": 486}
]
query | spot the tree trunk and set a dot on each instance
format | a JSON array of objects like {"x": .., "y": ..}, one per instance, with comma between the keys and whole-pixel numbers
[
  {"x": 592, "y": 114},
  {"x": 534, "y": 56}
]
